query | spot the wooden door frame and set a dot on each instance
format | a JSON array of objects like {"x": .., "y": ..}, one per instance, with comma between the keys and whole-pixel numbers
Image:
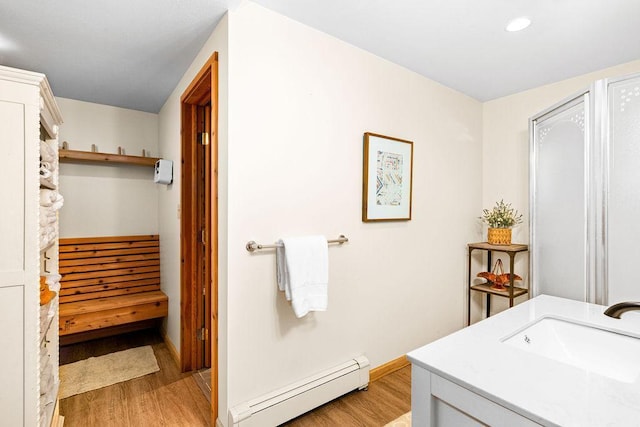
[{"x": 203, "y": 88}]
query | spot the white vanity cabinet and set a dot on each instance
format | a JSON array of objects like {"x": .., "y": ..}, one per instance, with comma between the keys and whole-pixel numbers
[
  {"x": 28, "y": 342},
  {"x": 548, "y": 361},
  {"x": 437, "y": 401}
]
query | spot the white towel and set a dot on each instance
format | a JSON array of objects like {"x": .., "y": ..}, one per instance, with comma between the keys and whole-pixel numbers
[
  {"x": 303, "y": 273},
  {"x": 53, "y": 280},
  {"x": 58, "y": 202},
  {"x": 51, "y": 199},
  {"x": 47, "y": 236},
  {"x": 47, "y": 197},
  {"x": 47, "y": 153},
  {"x": 44, "y": 172},
  {"x": 282, "y": 274},
  {"x": 47, "y": 216},
  {"x": 47, "y": 220}
]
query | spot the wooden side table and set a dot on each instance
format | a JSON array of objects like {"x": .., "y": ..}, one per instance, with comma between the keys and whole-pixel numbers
[{"x": 512, "y": 291}]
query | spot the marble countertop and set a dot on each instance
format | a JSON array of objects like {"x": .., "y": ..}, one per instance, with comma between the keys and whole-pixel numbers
[{"x": 542, "y": 389}]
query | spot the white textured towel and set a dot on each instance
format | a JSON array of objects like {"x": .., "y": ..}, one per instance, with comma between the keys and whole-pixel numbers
[
  {"x": 57, "y": 204},
  {"x": 47, "y": 153},
  {"x": 44, "y": 172},
  {"x": 47, "y": 216},
  {"x": 53, "y": 280},
  {"x": 48, "y": 197},
  {"x": 51, "y": 199},
  {"x": 282, "y": 275},
  {"x": 303, "y": 273}
]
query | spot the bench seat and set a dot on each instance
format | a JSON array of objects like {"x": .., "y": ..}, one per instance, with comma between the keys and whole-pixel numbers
[{"x": 109, "y": 285}]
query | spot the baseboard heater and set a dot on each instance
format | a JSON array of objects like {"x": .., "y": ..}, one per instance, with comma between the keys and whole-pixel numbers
[{"x": 275, "y": 408}]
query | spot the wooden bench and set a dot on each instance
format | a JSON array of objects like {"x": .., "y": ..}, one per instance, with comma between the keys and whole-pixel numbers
[{"x": 109, "y": 285}]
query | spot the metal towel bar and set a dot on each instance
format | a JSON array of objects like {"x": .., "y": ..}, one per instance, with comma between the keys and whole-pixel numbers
[{"x": 252, "y": 246}]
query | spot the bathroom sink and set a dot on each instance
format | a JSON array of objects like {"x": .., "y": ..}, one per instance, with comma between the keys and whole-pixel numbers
[{"x": 595, "y": 350}]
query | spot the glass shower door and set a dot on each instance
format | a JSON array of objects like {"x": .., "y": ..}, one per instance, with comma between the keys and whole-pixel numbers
[
  {"x": 559, "y": 200},
  {"x": 623, "y": 205}
]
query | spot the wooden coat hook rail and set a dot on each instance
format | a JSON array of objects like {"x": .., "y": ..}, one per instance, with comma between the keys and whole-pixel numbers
[{"x": 93, "y": 156}]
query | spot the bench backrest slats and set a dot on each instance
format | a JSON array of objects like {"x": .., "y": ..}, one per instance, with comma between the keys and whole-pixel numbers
[{"x": 99, "y": 267}]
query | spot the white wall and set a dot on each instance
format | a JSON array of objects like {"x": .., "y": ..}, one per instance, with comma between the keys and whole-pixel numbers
[
  {"x": 299, "y": 104},
  {"x": 107, "y": 200},
  {"x": 294, "y": 104},
  {"x": 505, "y": 148}
]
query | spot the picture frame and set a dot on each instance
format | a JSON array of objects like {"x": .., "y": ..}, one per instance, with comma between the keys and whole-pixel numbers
[{"x": 387, "y": 176}]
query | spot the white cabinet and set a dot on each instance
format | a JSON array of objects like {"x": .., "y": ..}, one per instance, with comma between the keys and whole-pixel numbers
[
  {"x": 438, "y": 402},
  {"x": 28, "y": 343}
]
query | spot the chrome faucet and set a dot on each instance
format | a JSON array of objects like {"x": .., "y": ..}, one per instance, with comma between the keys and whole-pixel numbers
[{"x": 617, "y": 309}]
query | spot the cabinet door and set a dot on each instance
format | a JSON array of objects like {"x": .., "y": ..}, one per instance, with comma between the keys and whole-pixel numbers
[
  {"x": 559, "y": 195},
  {"x": 12, "y": 189},
  {"x": 13, "y": 264},
  {"x": 12, "y": 391}
]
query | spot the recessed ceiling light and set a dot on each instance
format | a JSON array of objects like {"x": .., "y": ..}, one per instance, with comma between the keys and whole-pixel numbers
[{"x": 518, "y": 24}]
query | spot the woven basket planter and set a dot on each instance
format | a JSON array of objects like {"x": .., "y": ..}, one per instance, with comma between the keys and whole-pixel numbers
[{"x": 499, "y": 236}]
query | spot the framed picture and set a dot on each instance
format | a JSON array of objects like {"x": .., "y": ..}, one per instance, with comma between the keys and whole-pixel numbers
[{"x": 386, "y": 180}]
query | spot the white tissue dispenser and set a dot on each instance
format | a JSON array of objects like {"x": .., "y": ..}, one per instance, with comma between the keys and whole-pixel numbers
[{"x": 163, "y": 172}]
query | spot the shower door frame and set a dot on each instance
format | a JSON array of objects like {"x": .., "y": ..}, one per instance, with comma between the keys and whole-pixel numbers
[
  {"x": 597, "y": 176},
  {"x": 587, "y": 97},
  {"x": 607, "y": 147}
]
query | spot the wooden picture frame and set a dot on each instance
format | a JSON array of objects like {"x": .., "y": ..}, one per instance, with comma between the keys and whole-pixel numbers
[{"x": 387, "y": 176}]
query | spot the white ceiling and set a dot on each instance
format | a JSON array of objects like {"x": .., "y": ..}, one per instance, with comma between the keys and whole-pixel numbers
[
  {"x": 127, "y": 53},
  {"x": 132, "y": 53}
]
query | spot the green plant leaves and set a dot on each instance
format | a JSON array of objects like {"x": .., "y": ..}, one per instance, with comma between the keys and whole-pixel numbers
[{"x": 501, "y": 216}]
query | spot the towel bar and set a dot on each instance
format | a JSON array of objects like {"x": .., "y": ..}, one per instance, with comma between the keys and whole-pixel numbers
[{"x": 252, "y": 246}]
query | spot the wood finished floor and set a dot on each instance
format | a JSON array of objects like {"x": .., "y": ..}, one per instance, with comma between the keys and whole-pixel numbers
[
  {"x": 384, "y": 401},
  {"x": 164, "y": 398},
  {"x": 170, "y": 398}
]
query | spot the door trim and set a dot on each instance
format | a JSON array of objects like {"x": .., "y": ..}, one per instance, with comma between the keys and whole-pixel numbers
[{"x": 203, "y": 88}]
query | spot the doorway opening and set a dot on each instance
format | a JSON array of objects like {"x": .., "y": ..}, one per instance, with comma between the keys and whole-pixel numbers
[{"x": 199, "y": 226}]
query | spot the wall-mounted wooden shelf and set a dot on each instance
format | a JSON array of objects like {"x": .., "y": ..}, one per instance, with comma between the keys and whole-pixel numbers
[{"x": 75, "y": 156}]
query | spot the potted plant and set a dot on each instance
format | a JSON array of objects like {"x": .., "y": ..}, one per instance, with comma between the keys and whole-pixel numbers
[{"x": 500, "y": 220}]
